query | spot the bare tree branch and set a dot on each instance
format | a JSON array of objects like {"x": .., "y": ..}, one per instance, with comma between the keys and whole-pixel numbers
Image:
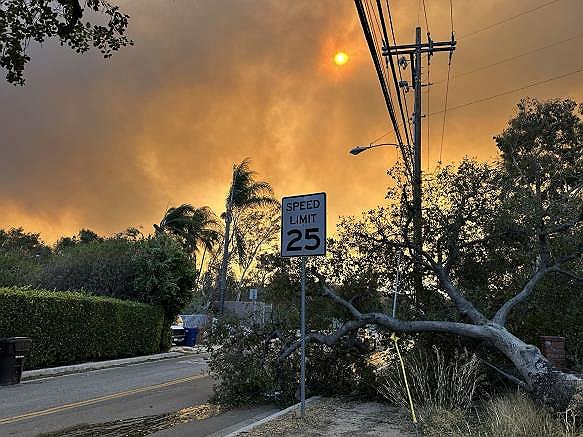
[
  {"x": 397, "y": 325},
  {"x": 569, "y": 274},
  {"x": 564, "y": 226},
  {"x": 502, "y": 314},
  {"x": 363, "y": 319}
]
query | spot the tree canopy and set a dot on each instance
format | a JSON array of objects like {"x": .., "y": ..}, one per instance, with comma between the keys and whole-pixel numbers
[{"x": 79, "y": 25}]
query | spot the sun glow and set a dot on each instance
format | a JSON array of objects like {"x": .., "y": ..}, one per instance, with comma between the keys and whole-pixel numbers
[{"x": 340, "y": 58}]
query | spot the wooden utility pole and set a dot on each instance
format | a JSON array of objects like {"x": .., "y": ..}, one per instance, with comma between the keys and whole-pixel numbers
[{"x": 415, "y": 51}]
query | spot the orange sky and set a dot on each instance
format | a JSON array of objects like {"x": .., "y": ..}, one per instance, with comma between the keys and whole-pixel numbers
[{"x": 107, "y": 145}]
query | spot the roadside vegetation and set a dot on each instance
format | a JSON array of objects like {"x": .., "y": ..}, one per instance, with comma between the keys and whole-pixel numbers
[
  {"x": 501, "y": 267},
  {"x": 68, "y": 327}
]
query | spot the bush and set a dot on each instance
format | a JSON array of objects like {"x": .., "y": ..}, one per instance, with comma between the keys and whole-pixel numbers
[
  {"x": 68, "y": 327},
  {"x": 245, "y": 367},
  {"x": 435, "y": 380},
  {"x": 153, "y": 270},
  {"x": 248, "y": 369},
  {"x": 99, "y": 267},
  {"x": 510, "y": 414}
]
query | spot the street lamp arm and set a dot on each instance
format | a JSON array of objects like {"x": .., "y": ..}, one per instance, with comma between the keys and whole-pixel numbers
[{"x": 359, "y": 149}]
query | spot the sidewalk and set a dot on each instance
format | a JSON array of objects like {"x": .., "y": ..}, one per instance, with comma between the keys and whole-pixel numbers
[
  {"x": 335, "y": 417},
  {"x": 98, "y": 365}
]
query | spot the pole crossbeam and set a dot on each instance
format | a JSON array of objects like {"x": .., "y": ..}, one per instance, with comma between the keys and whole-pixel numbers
[
  {"x": 431, "y": 44},
  {"x": 423, "y": 50}
]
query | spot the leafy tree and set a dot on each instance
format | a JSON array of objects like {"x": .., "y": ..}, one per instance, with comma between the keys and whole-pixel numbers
[
  {"x": 79, "y": 25},
  {"x": 164, "y": 275},
  {"x": 88, "y": 236},
  {"x": 528, "y": 208},
  {"x": 18, "y": 242},
  {"x": 256, "y": 232},
  {"x": 245, "y": 193},
  {"x": 193, "y": 227}
]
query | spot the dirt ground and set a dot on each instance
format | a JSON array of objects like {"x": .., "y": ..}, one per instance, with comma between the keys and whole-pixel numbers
[{"x": 339, "y": 417}]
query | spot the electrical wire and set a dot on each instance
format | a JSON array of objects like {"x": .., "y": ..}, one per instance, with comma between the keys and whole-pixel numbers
[
  {"x": 379, "y": 70},
  {"x": 504, "y": 93},
  {"x": 427, "y": 108},
  {"x": 396, "y": 127},
  {"x": 378, "y": 49},
  {"x": 512, "y": 17},
  {"x": 444, "y": 113},
  {"x": 425, "y": 13},
  {"x": 376, "y": 38},
  {"x": 446, "y": 87},
  {"x": 390, "y": 61},
  {"x": 408, "y": 124},
  {"x": 512, "y": 58}
]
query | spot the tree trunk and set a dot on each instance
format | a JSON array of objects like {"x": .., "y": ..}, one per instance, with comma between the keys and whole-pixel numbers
[
  {"x": 561, "y": 391},
  {"x": 225, "y": 261}
]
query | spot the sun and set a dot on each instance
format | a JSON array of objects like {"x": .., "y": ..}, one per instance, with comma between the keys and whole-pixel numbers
[{"x": 340, "y": 58}]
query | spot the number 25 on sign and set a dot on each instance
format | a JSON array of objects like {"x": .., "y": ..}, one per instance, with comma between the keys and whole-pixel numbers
[{"x": 303, "y": 225}]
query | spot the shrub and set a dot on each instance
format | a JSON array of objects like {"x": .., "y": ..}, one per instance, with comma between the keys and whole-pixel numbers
[
  {"x": 153, "y": 270},
  {"x": 509, "y": 414},
  {"x": 68, "y": 327},
  {"x": 434, "y": 379},
  {"x": 99, "y": 267},
  {"x": 248, "y": 369},
  {"x": 243, "y": 366},
  {"x": 516, "y": 414}
]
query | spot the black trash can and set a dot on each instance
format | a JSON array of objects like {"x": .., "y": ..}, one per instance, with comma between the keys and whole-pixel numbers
[{"x": 12, "y": 353}]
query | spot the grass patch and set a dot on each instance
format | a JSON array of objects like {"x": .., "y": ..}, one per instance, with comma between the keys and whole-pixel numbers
[{"x": 513, "y": 414}]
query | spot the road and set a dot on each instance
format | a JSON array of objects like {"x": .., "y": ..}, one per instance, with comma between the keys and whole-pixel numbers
[{"x": 164, "y": 398}]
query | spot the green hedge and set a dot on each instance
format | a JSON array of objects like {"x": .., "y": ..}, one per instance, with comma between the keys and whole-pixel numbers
[{"x": 68, "y": 327}]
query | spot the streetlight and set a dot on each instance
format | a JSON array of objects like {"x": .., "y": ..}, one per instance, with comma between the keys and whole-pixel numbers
[{"x": 359, "y": 149}]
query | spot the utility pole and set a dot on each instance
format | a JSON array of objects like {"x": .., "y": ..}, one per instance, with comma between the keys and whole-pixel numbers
[
  {"x": 417, "y": 193},
  {"x": 415, "y": 51}
]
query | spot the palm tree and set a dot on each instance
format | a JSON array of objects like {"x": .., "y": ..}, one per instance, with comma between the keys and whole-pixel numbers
[
  {"x": 193, "y": 227},
  {"x": 244, "y": 193}
]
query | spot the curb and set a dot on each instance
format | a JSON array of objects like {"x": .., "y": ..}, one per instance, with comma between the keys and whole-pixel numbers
[
  {"x": 97, "y": 365},
  {"x": 271, "y": 417}
]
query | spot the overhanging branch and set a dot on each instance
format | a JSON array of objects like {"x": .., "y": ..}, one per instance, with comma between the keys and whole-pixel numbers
[{"x": 380, "y": 319}]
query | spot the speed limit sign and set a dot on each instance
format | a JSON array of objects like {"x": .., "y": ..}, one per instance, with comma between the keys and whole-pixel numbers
[
  {"x": 303, "y": 225},
  {"x": 303, "y": 234}
]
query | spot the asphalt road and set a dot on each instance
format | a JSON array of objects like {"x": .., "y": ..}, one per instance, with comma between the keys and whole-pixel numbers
[{"x": 165, "y": 398}]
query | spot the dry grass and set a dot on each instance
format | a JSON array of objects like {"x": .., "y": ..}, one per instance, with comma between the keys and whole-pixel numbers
[
  {"x": 512, "y": 414},
  {"x": 433, "y": 380}
]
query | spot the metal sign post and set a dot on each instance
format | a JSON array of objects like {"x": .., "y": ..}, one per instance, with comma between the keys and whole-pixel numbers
[
  {"x": 303, "y": 233},
  {"x": 303, "y": 340}
]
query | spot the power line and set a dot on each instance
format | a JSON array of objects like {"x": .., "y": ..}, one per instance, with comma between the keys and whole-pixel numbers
[
  {"x": 425, "y": 13},
  {"x": 386, "y": 94},
  {"x": 393, "y": 71},
  {"x": 428, "y": 77},
  {"x": 451, "y": 14},
  {"x": 444, "y": 111},
  {"x": 504, "y": 93},
  {"x": 408, "y": 124},
  {"x": 512, "y": 17},
  {"x": 446, "y": 86},
  {"x": 512, "y": 58},
  {"x": 428, "y": 100}
]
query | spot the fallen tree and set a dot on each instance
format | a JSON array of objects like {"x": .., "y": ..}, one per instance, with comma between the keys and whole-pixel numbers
[{"x": 528, "y": 208}]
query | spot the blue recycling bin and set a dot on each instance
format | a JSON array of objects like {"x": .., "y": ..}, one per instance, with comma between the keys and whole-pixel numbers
[{"x": 190, "y": 335}]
